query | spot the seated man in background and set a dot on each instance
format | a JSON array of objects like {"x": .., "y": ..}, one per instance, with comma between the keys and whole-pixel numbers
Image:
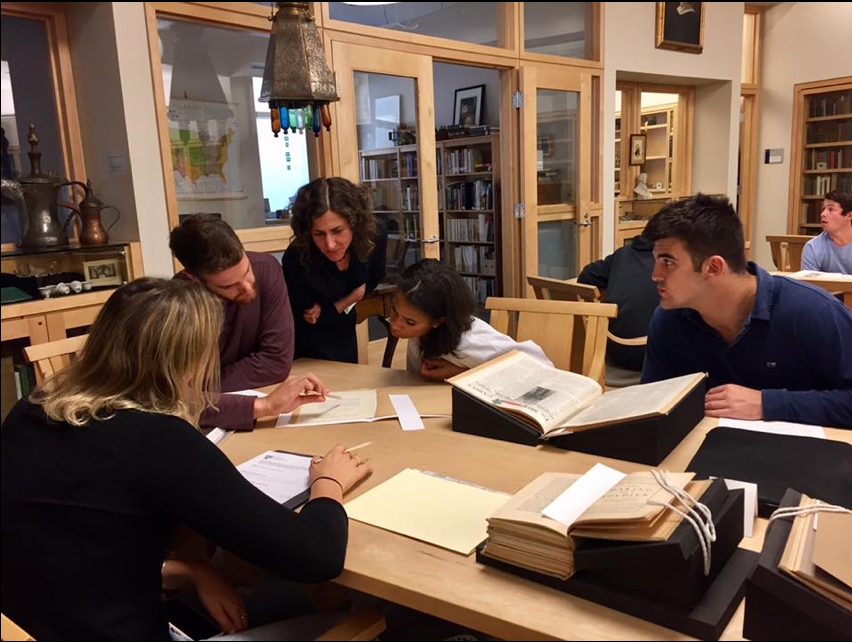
[
  {"x": 256, "y": 344},
  {"x": 625, "y": 278},
  {"x": 831, "y": 250},
  {"x": 773, "y": 348}
]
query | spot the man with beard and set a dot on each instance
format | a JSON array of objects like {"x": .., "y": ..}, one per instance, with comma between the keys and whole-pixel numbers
[{"x": 256, "y": 343}]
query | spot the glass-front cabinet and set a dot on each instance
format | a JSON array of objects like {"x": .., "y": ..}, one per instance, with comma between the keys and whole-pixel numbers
[{"x": 47, "y": 292}]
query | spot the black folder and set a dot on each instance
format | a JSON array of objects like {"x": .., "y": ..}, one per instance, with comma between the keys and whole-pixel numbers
[
  {"x": 669, "y": 572},
  {"x": 646, "y": 441},
  {"x": 819, "y": 468},
  {"x": 779, "y": 607}
]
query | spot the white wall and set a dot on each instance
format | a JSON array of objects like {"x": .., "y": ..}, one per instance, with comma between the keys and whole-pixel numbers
[
  {"x": 448, "y": 78},
  {"x": 802, "y": 42},
  {"x": 629, "y": 48},
  {"x": 116, "y": 104},
  {"x": 711, "y": 143}
]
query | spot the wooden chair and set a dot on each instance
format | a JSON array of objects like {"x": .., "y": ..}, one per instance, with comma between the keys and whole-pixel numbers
[
  {"x": 558, "y": 290},
  {"x": 787, "y": 250},
  {"x": 572, "y": 333},
  {"x": 547, "y": 288},
  {"x": 50, "y": 358},
  {"x": 555, "y": 289}
]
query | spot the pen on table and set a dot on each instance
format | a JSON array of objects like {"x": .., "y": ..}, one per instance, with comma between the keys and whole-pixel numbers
[
  {"x": 328, "y": 395},
  {"x": 354, "y": 448}
]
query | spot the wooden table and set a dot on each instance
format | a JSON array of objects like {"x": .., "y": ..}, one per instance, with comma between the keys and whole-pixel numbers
[
  {"x": 832, "y": 282},
  {"x": 378, "y": 304},
  {"x": 446, "y": 584}
]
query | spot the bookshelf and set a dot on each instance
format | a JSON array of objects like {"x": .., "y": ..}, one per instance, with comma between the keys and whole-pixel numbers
[
  {"x": 469, "y": 211},
  {"x": 468, "y": 202},
  {"x": 658, "y": 125},
  {"x": 821, "y": 150},
  {"x": 393, "y": 178}
]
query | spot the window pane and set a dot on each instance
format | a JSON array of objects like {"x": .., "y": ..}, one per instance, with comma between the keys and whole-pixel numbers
[
  {"x": 225, "y": 158},
  {"x": 474, "y": 22},
  {"x": 557, "y": 28}
]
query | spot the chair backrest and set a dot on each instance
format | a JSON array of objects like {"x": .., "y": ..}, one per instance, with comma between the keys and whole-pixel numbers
[
  {"x": 547, "y": 288},
  {"x": 50, "y": 358},
  {"x": 572, "y": 333},
  {"x": 558, "y": 290},
  {"x": 787, "y": 250}
]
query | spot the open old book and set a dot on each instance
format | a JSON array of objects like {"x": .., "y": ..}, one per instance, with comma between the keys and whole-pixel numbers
[
  {"x": 557, "y": 402},
  {"x": 632, "y": 510}
]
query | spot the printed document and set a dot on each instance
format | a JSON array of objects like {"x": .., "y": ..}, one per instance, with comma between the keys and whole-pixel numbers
[{"x": 282, "y": 476}]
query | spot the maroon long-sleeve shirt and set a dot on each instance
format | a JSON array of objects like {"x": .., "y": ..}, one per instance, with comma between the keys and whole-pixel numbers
[{"x": 256, "y": 345}]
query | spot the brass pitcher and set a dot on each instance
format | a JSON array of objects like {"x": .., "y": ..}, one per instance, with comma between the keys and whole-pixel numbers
[
  {"x": 92, "y": 231},
  {"x": 36, "y": 196}
]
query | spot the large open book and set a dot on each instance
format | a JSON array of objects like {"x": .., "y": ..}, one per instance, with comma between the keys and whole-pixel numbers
[
  {"x": 632, "y": 510},
  {"x": 556, "y": 402}
]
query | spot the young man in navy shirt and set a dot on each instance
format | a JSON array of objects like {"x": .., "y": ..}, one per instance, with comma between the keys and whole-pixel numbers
[{"x": 774, "y": 348}]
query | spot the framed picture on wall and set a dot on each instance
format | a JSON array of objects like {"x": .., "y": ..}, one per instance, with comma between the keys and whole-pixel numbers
[
  {"x": 104, "y": 272},
  {"x": 467, "y": 111},
  {"x": 637, "y": 148},
  {"x": 680, "y": 26}
]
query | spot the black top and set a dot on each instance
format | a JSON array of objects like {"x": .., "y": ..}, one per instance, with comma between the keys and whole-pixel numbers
[
  {"x": 88, "y": 513},
  {"x": 333, "y": 336},
  {"x": 626, "y": 276}
]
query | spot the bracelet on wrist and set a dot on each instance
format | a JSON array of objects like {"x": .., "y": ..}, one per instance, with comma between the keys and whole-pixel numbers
[{"x": 316, "y": 479}]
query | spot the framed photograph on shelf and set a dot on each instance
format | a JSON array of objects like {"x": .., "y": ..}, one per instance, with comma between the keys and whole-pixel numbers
[
  {"x": 680, "y": 26},
  {"x": 103, "y": 273},
  {"x": 637, "y": 148},
  {"x": 467, "y": 111}
]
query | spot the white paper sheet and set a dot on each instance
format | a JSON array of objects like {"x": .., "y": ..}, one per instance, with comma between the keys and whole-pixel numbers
[
  {"x": 353, "y": 406},
  {"x": 409, "y": 418},
  {"x": 749, "y": 503},
  {"x": 776, "y": 427},
  {"x": 582, "y": 493},
  {"x": 218, "y": 436},
  {"x": 282, "y": 476}
]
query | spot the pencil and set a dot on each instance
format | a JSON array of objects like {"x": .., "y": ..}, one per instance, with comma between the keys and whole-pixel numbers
[
  {"x": 354, "y": 448},
  {"x": 331, "y": 395}
]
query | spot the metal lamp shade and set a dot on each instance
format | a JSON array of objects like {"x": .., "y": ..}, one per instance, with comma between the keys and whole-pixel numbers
[{"x": 296, "y": 72}]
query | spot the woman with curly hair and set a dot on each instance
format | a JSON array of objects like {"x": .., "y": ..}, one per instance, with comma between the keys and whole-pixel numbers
[{"x": 336, "y": 256}]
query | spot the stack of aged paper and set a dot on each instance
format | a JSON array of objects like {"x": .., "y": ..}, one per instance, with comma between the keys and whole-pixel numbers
[
  {"x": 819, "y": 553},
  {"x": 519, "y": 534},
  {"x": 357, "y": 406}
]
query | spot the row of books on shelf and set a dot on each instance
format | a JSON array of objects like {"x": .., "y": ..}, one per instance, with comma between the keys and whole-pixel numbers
[
  {"x": 472, "y": 258},
  {"x": 471, "y": 230},
  {"x": 465, "y": 161},
  {"x": 830, "y": 105},
  {"x": 378, "y": 168},
  {"x": 482, "y": 288},
  {"x": 830, "y": 132},
  {"x": 470, "y": 195},
  {"x": 410, "y": 198},
  {"x": 822, "y": 183},
  {"x": 829, "y": 159},
  {"x": 411, "y": 224},
  {"x": 409, "y": 165}
]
